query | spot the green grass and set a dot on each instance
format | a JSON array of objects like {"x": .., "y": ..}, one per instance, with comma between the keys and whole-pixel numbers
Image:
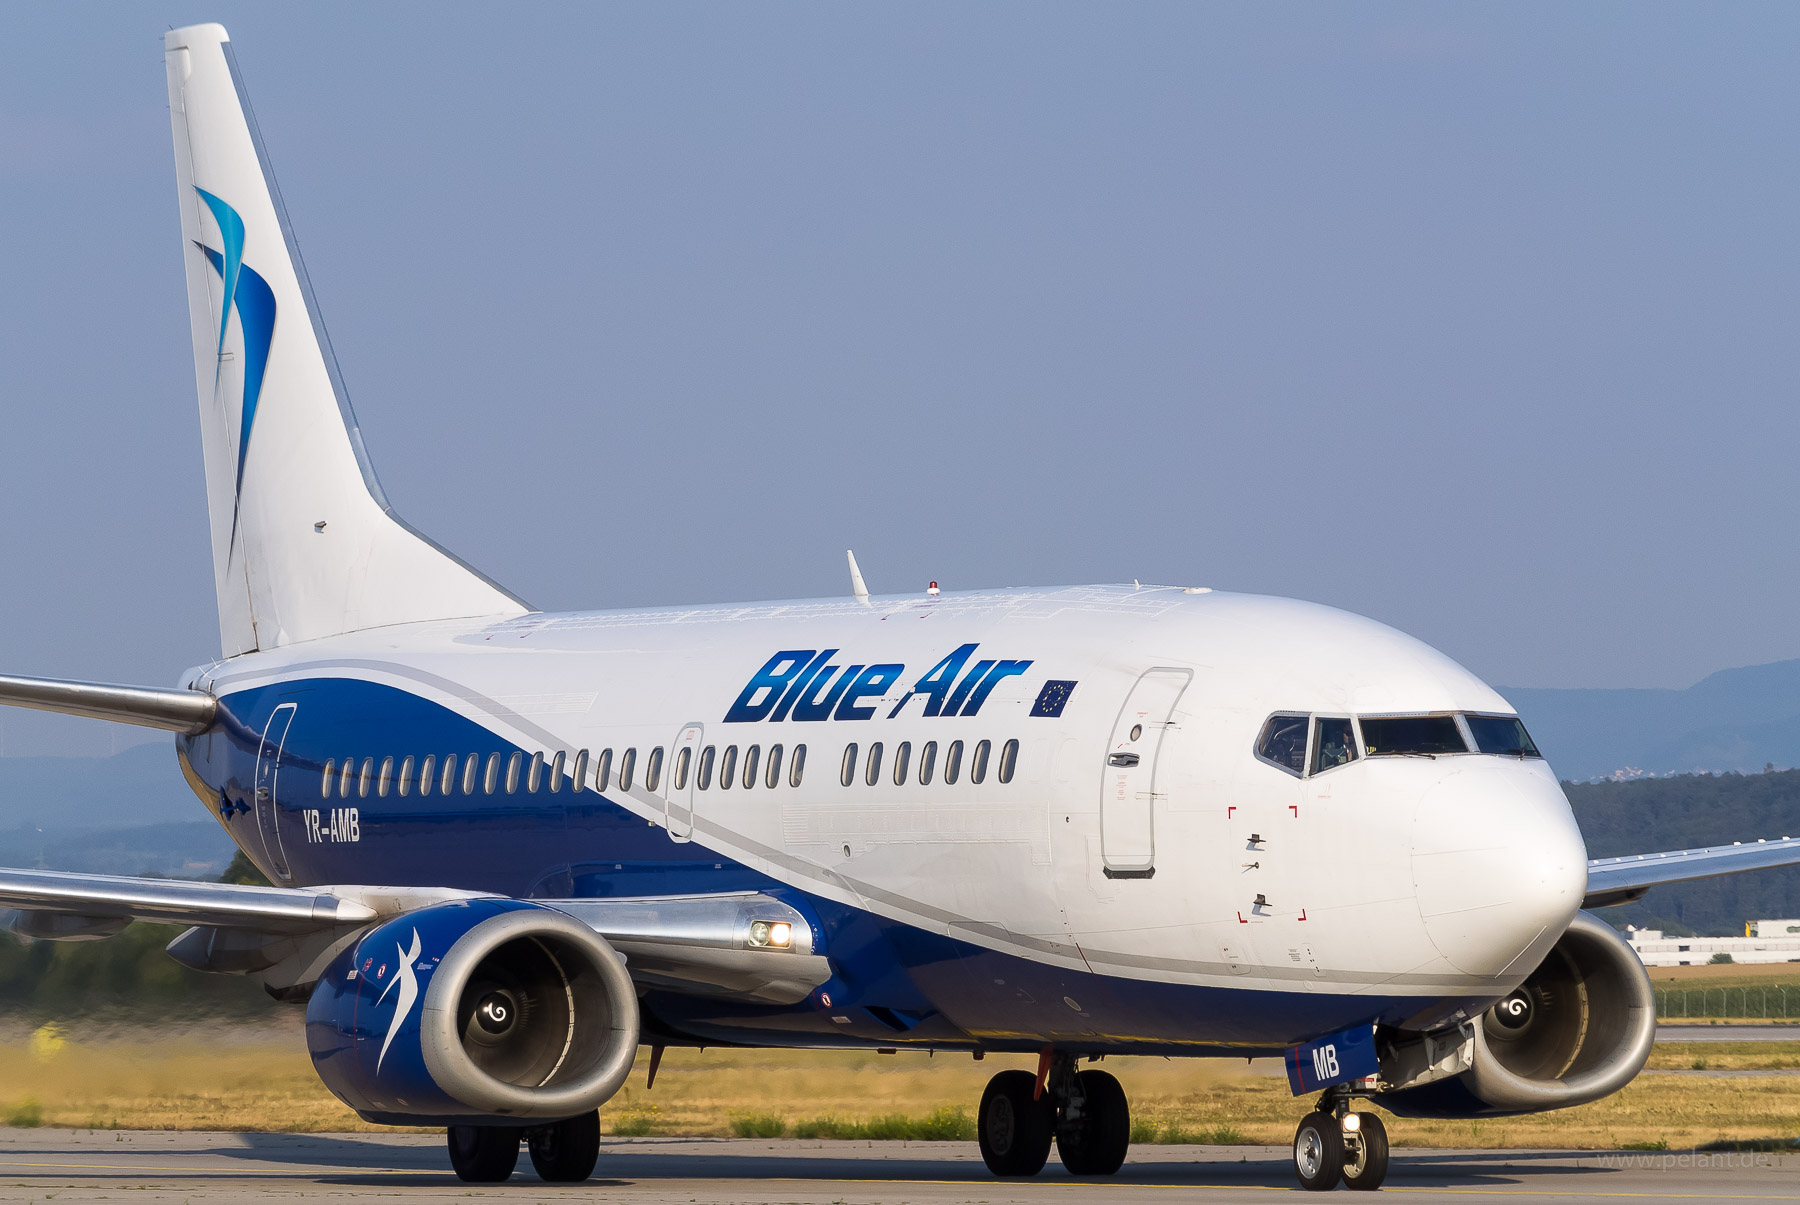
[
  {"x": 1659, "y": 1144},
  {"x": 946, "y": 1124},
  {"x": 1144, "y": 1133},
  {"x": 26, "y": 1115},
  {"x": 758, "y": 1125}
]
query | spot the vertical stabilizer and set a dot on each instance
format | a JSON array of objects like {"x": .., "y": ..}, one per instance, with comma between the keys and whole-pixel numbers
[{"x": 304, "y": 543}]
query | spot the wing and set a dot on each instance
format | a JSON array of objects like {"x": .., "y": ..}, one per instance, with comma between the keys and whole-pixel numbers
[
  {"x": 1624, "y": 880},
  {"x": 744, "y": 944}
]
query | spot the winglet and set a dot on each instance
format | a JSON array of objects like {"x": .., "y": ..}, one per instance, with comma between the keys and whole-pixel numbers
[{"x": 857, "y": 586}]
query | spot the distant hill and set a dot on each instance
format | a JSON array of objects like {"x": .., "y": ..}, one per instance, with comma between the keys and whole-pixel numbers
[
  {"x": 127, "y": 814},
  {"x": 1736, "y": 719}
]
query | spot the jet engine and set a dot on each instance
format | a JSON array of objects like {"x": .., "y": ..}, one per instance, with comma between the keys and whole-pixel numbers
[
  {"x": 483, "y": 1008},
  {"x": 1579, "y": 1028}
]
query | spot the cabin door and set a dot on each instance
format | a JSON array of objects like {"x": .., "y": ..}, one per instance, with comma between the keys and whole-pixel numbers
[
  {"x": 268, "y": 786},
  {"x": 1128, "y": 791},
  {"x": 678, "y": 802}
]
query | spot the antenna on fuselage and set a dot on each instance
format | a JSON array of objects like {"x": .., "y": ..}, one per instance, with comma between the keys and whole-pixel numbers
[{"x": 857, "y": 585}]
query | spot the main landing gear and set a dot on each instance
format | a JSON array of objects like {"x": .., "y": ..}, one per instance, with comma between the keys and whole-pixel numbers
[
  {"x": 562, "y": 1152},
  {"x": 1333, "y": 1143},
  {"x": 1083, "y": 1111}
]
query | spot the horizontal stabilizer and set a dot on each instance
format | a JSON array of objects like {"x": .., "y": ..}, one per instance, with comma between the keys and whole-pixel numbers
[
  {"x": 1623, "y": 880},
  {"x": 188, "y": 711}
]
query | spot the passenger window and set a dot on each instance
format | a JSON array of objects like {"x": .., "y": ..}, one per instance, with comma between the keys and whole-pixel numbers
[
  {"x": 1336, "y": 747},
  {"x": 797, "y": 767},
  {"x": 449, "y": 784},
  {"x": 1502, "y": 734},
  {"x": 902, "y": 755},
  {"x": 927, "y": 762},
  {"x": 682, "y": 759},
  {"x": 471, "y": 773},
  {"x": 751, "y": 756},
  {"x": 385, "y": 779},
  {"x": 728, "y": 767},
  {"x": 1009, "y": 760},
  {"x": 366, "y": 779},
  {"x": 556, "y": 771},
  {"x": 578, "y": 776},
  {"x": 405, "y": 784},
  {"x": 978, "y": 763},
  {"x": 513, "y": 765},
  {"x": 1283, "y": 742},
  {"x": 872, "y": 773},
  {"x": 847, "y": 773},
  {"x": 346, "y": 778},
  {"x": 534, "y": 773},
  {"x": 653, "y": 772},
  {"x": 490, "y": 779},
  {"x": 603, "y": 770},
  {"x": 1412, "y": 735},
  {"x": 427, "y": 773},
  {"x": 952, "y": 762},
  {"x": 772, "y": 775},
  {"x": 627, "y": 763},
  {"x": 706, "y": 765},
  {"x": 325, "y": 779}
]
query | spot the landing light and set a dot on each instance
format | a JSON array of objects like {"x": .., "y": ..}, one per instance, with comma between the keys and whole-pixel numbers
[
  {"x": 778, "y": 934},
  {"x": 1352, "y": 1122}
]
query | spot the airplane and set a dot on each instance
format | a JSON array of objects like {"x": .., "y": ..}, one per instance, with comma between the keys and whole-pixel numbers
[{"x": 510, "y": 847}]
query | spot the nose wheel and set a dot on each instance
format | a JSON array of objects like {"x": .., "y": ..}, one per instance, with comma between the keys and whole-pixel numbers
[{"x": 1340, "y": 1145}]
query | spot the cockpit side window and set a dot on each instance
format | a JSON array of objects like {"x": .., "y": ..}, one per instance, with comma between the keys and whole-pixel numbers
[
  {"x": 1502, "y": 734},
  {"x": 1283, "y": 743},
  {"x": 1336, "y": 745},
  {"x": 1412, "y": 735}
]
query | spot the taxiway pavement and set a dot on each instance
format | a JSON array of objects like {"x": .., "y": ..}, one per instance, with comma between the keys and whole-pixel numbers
[{"x": 142, "y": 1166}]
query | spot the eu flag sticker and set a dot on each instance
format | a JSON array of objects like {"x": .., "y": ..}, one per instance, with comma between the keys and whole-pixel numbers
[{"x": 1052, "y": 698}]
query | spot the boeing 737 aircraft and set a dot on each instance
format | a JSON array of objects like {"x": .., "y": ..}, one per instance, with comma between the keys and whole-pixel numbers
[{"x": 512, "y": 847}]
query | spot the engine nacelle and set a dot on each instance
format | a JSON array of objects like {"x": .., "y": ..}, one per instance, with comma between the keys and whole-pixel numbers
[
  {"x": 485, "y": 1008},
  {"x": 1579, "y": 1028}
]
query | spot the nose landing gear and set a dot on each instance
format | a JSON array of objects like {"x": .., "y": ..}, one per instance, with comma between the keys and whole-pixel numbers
[
  {"x": 1332, "y": 1143},
  {"x": 1084, "y": 1111}
]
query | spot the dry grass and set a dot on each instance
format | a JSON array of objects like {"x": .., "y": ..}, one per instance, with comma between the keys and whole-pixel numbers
[
  {"x": 1728, "y": 974},
  {"x": 263, "y": 1080}
]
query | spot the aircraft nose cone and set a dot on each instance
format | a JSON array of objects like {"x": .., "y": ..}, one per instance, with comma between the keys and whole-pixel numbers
[{"x": 1499, "y": 866}]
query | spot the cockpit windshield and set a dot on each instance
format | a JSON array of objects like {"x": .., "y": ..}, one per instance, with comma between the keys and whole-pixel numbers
[
  {"x": 1412, "y": 735},
  {"x": 1502, "y": 734}
]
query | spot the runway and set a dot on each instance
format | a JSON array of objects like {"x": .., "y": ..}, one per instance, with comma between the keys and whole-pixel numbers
[{"x": 169, "y": 1166}]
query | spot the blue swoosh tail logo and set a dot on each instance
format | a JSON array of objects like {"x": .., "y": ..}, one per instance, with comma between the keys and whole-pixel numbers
[{"x": 248, "y": 293}]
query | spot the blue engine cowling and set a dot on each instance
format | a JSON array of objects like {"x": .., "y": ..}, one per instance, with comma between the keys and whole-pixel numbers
[{"x": 487, "y": 1008}]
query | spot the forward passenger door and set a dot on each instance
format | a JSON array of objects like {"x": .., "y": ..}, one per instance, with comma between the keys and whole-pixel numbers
[{"x": 1128, "y": 791}]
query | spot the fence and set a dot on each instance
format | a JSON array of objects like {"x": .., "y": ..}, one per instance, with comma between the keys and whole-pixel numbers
[{"x": 1770, "y": 1002}]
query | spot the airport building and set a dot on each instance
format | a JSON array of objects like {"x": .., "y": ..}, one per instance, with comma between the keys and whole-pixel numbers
[{"x": 1763, "y": 941}]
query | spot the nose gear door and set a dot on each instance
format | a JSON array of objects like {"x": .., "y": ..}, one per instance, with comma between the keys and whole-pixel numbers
[
  {"x": 268, "y": 775},
  {"x": 1128, "y": 786}
]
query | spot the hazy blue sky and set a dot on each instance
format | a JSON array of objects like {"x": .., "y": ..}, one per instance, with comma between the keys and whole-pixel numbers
[{"x": 1479, "y": 319}]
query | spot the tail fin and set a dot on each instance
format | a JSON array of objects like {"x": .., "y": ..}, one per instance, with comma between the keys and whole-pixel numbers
[{"x": 304, "y": 542}]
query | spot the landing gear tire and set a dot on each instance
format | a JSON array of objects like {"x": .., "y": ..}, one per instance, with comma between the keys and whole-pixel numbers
[
  {"x": 1366, "y": 1154},
  {"x": 1094, "y": 1144},
  {"x": 565, "y": 1153},
  {"x": 1319, "y": 1152},
  {"x": 483, "y": 1154},
  {"x": 1014, "y": 1130}
]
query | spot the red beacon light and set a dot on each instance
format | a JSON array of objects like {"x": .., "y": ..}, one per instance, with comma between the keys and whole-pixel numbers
[{"x": 932, "y": 589}]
